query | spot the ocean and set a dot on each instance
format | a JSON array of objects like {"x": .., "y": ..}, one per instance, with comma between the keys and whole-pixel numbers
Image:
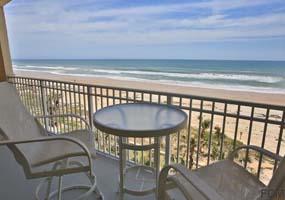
[{"x": 255, "y": 76}]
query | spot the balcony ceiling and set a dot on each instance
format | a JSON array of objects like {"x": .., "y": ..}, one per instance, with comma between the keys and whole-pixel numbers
[{"x": 4, "y": 2}]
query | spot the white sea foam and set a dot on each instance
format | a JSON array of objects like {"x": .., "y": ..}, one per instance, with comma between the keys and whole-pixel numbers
[
  {"x": 230, "y": 87},
  {"x": 200, "y": 84},
  {"x": 109, "y": 71},
  {"x": 201, "y": 76},
  {"x": 207, "y": 76},
  {"x": 44, "y": 67},
  {"x": 249, "y": 81}
]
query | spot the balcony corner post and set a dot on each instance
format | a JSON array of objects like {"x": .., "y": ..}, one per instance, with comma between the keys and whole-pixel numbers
[{"x": 5, "y": 57}]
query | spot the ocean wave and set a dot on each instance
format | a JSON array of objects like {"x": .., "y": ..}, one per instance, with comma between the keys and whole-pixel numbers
[
  {"x": 208, "y": 76},
  {"x": 200, "y": 84},
  {"x": 110, "y": 71},
  {"x": 44, "y": 67},
  {"x": 230, "y": 87},
  {"x": 196, "y": 76}
]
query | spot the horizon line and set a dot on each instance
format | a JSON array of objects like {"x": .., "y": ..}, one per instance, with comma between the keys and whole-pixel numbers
[{"x": 200, "y": 59}]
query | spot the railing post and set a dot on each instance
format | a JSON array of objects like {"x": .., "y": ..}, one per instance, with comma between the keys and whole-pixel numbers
[
  {"x": 44, "y": 103},
  {"x": 90, "y": 106},
  {"x": 167, "y": 138}
]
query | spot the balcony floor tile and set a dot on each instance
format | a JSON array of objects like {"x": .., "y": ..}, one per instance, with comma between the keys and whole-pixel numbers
[{"x": 14, "y": 185}]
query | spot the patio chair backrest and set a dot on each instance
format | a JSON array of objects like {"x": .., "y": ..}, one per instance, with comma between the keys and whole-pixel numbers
[
  {"x": 15, "y": 121},
  {"x": 277, "y": 183}
]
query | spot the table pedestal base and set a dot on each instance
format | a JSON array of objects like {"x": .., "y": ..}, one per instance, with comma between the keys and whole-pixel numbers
[{"x": 138, "y": 180}]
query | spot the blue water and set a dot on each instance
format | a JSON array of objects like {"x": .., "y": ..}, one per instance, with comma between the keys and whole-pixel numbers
[{"x": 256, "y": 76}]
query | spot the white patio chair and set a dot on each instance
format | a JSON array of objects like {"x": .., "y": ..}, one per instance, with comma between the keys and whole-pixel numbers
[
  {"x": 41, "y": 155},
  {"x": 223, "y": 180}
]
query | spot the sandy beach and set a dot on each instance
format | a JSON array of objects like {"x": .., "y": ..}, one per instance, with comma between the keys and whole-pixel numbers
[{"x": 267, "y": 98}]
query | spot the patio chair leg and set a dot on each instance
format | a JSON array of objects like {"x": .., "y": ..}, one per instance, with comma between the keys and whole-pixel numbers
[
  {"x": 48, "y": 188},
  {"x": 49, "y": 180},
  {"x": 59, "y": 188},
  {"x": 64, "y": 165},
  {"x": 92, "y": 188}
]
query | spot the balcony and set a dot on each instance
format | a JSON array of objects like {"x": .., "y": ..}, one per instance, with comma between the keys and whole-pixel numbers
[{"x": 215, "y": 128}]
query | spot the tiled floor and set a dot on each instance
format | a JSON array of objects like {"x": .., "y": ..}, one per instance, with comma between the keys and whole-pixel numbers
[{"x": 14, "y": 185}]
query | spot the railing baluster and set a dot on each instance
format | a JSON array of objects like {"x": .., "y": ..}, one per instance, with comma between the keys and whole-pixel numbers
[
  {"x": 178, "y": 137},
  {"x": 85, "y": 104},
  {"x": 90, "y": 106},
  {"x": 199, "y": 133},
  {"x": 35, "y": 96},
  {"x": 24, "y": 92},
  {"x": 280, "y": 137},
  {"x": 61, "y": 110},
  {"x": 211, "y": 133},
  {"x": 109, "y": 136},
  {"x": 167, "y": 138},
  {"x": 127, "y": 139},
  {"x": 38, "y": 105},
  {"x": 96, "y": 103},
  {"x": 39, "y": 97},
  {"x": 236, "y": 127},
  {"x": 263, "y": 143},
  {"x": 66, "y": 106},
  {"x": 189, "y": 133},
  {"x": 249, "y": 135},
  {"x": 80, "y": 106},
  {"x": 30, "y": 97},
  {"x": 44, "y": 102},
  {"x": 135, "y": 139},
  {"x": 127, "y": 96},
  {"x": 50, "y": 107},
  {"x": 113, "y": 137},
  {"x": 47, "y": 94},
  {"x": 58, "y": 103},
  {"x": 102, "y": 105},
  {"x": 102, "y": 98},
  {"x": 75, "y": 105},
  {"x": 27, "y": 95},
  {"x": 70, "y": 104},
  {"x": 223, "y": 132}
]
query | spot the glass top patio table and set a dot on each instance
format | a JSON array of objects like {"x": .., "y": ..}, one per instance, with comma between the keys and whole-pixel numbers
[{"x": 140, "y": 120}]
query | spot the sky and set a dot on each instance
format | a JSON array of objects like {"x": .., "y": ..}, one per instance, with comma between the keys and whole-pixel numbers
[{"x": 153, "y": 29}]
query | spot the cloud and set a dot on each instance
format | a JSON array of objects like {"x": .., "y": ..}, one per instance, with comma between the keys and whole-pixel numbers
[{"x": 144, "y": 24}]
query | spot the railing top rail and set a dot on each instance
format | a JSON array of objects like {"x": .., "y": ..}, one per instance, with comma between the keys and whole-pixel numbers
[{"x": 204, "y": 98}]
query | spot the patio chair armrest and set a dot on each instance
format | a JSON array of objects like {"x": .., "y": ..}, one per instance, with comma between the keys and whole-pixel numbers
[
  {"x": 66, "y": 115},
  {"x": 190, "y": 177},
  {"x": 52, "y": 138},
  {"x": 257, "y": 149}
]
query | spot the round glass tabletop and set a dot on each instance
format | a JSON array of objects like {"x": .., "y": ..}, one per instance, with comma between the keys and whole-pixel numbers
[{"x": 139, "y": 120}]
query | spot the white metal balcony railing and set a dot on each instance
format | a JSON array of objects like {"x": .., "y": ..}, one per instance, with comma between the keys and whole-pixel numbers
[{"x": 215, "y": 126}]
